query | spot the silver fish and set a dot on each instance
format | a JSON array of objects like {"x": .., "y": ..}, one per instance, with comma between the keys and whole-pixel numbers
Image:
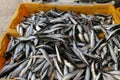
[
  {"x": 58, "y": 54},
  {"x": 25, "y": 68},
  {"x": 46, "y": 56},
  {"x": 57, "y": 66},
  {"x": 70, "y": 75}
]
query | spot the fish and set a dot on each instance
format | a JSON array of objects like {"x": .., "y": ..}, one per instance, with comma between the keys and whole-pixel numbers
[
  {"x": 19, "y": 29},
  {"x": 79, "y": 74},
  {"x": 29, "y": 75},
  {"x": 44, "y": 68},
  {"x": 33, "y": 77},
  {"x": 108, "y": 76},
  {"x": 25, "y": 68},
  {"x": 26, "y": 39},
  {"x": 58, "y": 54},
  {"x": 43, "y": 75},
  {"x": 39, "y": 66},
  {"x": 98, "y": 76},
  {"x": 112, "y": 33},
  {"x": 70, "y": 75},
  {"x": 8, "y": 68},
  {"x": 18, "y": 70},
  {"x": 114, "y": 57},
  {"x": 93, "y": 70},
  {"x": 79, "y": 53},
  {"x": 10, "y": 44},
  {"x": 27, "y": 50},
  {"x": 87, "y": 73},
  {"x": 92, "y": 39},
  {"x": 46, "y": 56},
  {"x": 81, "y": 37},
  {"x": 59, "y": 77},
  {"x": 86, "y": 36},
  {"x": 57, "y": 66}
]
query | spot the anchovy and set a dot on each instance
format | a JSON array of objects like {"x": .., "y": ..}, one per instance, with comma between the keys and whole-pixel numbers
[
  {"x": 58, "y": 54},
  {"x": 70, "y": 75},
  {"x": 25, "y": 68},
  {"x": 57, "y": 66},
  {"x": 63, "y": 45},
  {"x": 46, "y": 55},
  {"x": 87, "y": 74}
]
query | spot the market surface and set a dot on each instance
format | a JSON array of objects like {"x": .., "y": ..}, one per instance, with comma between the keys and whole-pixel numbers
[{"x": 7, "y": 9}]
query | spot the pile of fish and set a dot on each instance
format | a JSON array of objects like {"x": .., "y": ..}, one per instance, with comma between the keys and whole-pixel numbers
[{"x": 57, "y": 45}]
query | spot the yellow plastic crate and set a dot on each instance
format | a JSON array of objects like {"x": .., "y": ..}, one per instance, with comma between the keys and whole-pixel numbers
[
  {"x": 118, "y": 12},
  {"x": 25, "y": 9},
  {"x": 4, "y": 40}
]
